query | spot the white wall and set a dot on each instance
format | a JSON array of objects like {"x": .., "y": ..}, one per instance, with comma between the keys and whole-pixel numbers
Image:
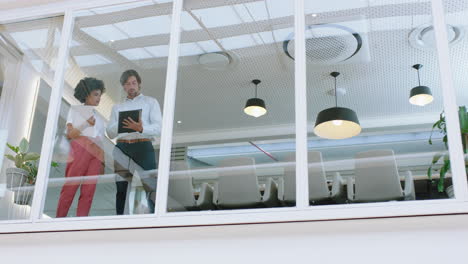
[
  {"x": 22, "y": 103},
  {"x": 441, "y": 239}
]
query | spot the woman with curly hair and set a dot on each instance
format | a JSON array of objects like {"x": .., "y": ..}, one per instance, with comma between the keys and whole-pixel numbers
[{"x": 86, "y": 155}]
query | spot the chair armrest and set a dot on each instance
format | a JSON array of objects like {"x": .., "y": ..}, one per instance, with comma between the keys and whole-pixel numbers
[
  {"x": 270, "y": 196},
  {"x": 215, "y": 194},
  {"x": 281, "y": 189},
  {"x": 337, "y": 185},
  {"x": 409, "y": 192},
  {"x": 205, "y": 199},
  {"x": 350, "y": 188}
]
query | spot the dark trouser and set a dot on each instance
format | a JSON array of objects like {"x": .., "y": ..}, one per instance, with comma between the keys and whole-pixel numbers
[{"x": 142, "y": 153}]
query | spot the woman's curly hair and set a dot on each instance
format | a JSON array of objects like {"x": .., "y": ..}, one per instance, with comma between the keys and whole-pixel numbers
[{"x": 86, "y": 85}]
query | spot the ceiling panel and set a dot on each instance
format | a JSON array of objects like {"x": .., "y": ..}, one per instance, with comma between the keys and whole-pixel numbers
[{"x": 253, "y": 33}]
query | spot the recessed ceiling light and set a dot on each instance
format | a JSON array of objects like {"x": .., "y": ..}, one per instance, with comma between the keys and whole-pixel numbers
[
  {"x": 423, "y": 37},
  {"x": 215, "y": 60},
  {"x": 314, "y": 15},
  {"x": 179, "y": 122}
]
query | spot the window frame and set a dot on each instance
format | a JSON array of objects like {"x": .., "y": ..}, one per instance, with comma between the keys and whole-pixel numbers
[{"x": 301, "y": 212}]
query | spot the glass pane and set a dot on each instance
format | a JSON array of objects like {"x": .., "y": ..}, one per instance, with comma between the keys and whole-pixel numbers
[
  {"x": 457, "y": 21},
  {"x": 110, "y": 122},
  {"x": 370, "y": 138},
  {"x": 28, "y": 54},
  {"x": 234, "y": 132}
]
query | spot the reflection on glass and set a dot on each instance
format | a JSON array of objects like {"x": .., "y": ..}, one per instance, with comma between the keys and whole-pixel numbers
[
  {"x": 28, "y": 51},
  {"x": 222, "y": 157},
  {"x": 370, "y": 44},
  {"x": 114, "y": 165}
]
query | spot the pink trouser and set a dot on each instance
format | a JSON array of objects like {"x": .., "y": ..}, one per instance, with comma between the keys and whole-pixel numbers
[{"x": 86, "y": 161}]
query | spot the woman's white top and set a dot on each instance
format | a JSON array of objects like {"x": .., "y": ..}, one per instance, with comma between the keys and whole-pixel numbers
[{"x": 78, "y": 116}]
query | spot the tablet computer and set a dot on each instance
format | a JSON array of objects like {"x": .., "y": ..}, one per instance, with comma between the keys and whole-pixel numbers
[{"x": 133, "y": 114}]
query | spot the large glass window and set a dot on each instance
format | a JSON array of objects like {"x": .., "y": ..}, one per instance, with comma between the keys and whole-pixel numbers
[
  {"x": 376, "y": 125},
  {"x": 110, "y": 122},
  {"x": 234, "y": 126},
  {"x": 28, "y": 54},
  {"x": 457, "y": 22},
  {"x": 374, "y": 96}
]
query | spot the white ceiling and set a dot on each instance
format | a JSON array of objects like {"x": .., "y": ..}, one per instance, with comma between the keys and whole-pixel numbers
[{"x": 112, "y": 39}]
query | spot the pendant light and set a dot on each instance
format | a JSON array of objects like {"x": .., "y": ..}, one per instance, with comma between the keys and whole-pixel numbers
[
  {"x": 420, "y": 95},
  {"x": 337, "y": 122},
  {"x": 255, "y": 106}
]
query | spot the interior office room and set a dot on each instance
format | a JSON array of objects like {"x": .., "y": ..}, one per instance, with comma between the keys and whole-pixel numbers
[{"x": 319, "y": 117}]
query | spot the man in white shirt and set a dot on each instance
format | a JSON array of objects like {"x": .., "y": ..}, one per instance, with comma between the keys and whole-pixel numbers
[{"x": 137, "y": 146}]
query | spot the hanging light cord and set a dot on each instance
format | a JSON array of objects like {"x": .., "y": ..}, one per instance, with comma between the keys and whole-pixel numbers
[
  {"x": 419, "y": 79},
  {"x": 336, "y": 95},
  {"x": 256, "y": 90}
]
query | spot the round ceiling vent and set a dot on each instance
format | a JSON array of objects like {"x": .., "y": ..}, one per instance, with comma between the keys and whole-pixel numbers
[
  {"x": 215, "y": 60},
  {"x": 423, "y": 37},
  {"x": 327, "y": 43}
]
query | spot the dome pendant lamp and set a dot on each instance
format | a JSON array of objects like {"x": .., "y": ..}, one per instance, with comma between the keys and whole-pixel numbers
[
  {"x": 420, "y": 95},
  {"x": 255, "y": 106},
  {"x": 337, "y": 122}
]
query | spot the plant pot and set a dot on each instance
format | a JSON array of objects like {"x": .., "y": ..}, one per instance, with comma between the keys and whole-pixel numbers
[{"x": 17, "y": 183}]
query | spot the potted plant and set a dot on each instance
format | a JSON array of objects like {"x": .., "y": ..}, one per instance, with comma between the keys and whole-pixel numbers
[
  {"x": 21, "y": 179},
  {"x": 441, "y": 125}
]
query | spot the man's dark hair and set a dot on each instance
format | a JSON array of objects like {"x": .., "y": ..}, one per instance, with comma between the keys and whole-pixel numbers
[
  {"x": 86, "y": 85},
  {"x": 127, "y": 74}
]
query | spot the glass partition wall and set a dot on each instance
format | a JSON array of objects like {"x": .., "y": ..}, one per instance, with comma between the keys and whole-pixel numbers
[
  {"x": 28, "y": 54},
  {"x": 234, "y": 127},
  {"x": 114, "y": 88},
  {"x": 374, "y": 99}
]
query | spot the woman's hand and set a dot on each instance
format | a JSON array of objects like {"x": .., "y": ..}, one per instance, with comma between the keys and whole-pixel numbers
[
  {"x": 72, "y": 132},
  {"x": 130, "y": 123},
  {"x": 91, "y": 121}
]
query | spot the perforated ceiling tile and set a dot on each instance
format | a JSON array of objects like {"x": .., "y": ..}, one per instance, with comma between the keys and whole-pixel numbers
[{"x": 252, "y": 33}]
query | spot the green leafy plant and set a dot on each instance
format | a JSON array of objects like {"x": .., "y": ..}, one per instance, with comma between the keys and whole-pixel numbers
[
  {"x": 441, "y": 126},
  {"x": 26, "y": 160}
]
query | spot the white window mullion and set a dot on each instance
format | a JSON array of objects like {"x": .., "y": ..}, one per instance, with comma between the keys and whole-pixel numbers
[
  {"x": 168, "y": 111},
  {"x": 52, "y": 117},
  {"x": 302, "y": 195},
  {"x": 457, "y": 161}
]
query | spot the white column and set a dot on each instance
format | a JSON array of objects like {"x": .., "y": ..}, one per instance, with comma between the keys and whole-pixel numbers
[
  {"x": 53, "y": 114},
  {"x": 302, "y": 194},
  {"x": 168, "y": 111}
]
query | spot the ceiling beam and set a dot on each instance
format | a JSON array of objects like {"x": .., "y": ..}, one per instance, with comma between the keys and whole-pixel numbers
[
  {"x": 31, "y": 25},
  {"x": 199, "y": 35},
  {"x": 407, "y": 9},
  {"x": 266, "y": 25},
  {"x": 147, "y": 11},
  {"x": 99, "y": 48}
]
